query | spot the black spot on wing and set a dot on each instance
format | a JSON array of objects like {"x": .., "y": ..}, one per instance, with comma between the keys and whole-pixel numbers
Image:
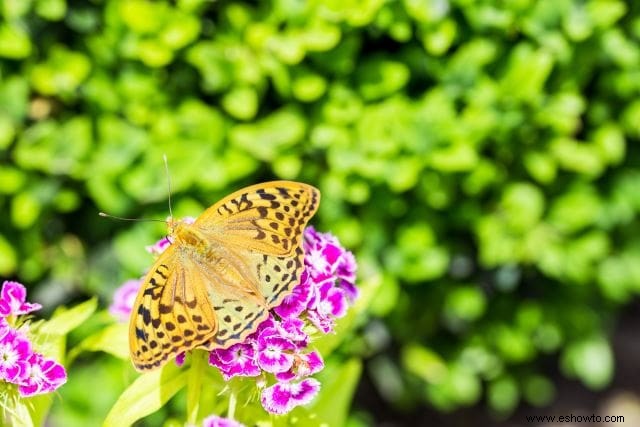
[{"x": 264, "y": 195}]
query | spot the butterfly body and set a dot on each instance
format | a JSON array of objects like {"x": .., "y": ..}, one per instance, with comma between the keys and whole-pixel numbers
[
  {"x": 218, "y": 279},
  {"x": 188, "y": 237}
]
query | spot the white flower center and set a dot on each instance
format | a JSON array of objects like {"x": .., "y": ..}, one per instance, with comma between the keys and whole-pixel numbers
[
  {"x": 316, "y": 260},
  {"x": 8, "y": 355},
  {"x": 273, "y": 352}
]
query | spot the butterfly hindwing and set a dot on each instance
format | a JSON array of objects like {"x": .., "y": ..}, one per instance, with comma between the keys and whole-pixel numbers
[
  {"x": 264, "y": 224},
  {"x": 235, "y": 296},
  {"x": 277, "y": 275}
]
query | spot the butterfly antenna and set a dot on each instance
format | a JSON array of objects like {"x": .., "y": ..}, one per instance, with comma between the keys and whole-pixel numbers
[
  {"x": 105, "y": 215},
  {"x": 166, "y": 167}
]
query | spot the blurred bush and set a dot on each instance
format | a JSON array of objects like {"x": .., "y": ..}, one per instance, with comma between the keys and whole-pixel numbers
[{"x": 478, "y": 156}]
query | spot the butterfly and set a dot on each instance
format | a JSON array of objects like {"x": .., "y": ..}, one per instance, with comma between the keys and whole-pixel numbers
[{"x": 216, "y": 282}]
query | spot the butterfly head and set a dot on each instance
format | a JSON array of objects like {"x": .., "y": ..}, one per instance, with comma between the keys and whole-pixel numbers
[
  {"x": 171, "y": 225},
  {"x": 174, "y": 225}
]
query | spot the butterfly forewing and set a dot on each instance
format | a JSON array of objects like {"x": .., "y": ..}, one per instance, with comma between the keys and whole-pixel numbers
[
  {"x": 268, "y": 218},
  {"x": 222, "y": 274}
]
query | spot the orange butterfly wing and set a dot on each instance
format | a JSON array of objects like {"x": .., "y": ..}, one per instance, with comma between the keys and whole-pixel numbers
[{"x": 214, "y": 285}]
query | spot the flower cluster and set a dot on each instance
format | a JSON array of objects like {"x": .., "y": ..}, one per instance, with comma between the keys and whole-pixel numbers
[
  {"x": 280, "y": 345},
  {"x": 32, "y": 372},
  {"x": 278, "y": 352}
]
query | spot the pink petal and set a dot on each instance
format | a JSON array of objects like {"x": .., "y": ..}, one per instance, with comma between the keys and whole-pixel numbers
[
  {"x": 281, "y": 397},
  {"x": 13, "y": 297},
  {"x": 123, "y": 299},
  {"x": 216, "y": 421}
]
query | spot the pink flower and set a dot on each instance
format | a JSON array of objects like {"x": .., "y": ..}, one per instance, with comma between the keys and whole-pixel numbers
[
  {"x": 282, "y": 397},
  {"x": 180, "y": 358},
  {"x": 329, "y": 302},
  {"x": 275, "y": 354},
  {"x": 237, "y": 360},
  {"x": 325, "y": 291},
  {"x": 15, "y": 351},
  {"x": 304, "y": 365},
  {"x": 295, "y": 303},
  {"x": 13, "y": 300},
  {"x": 159, "y": 247},
  {"x": 43, "y": 376},
  {"x": 346, "y": 273},
  {"x": 123, "y": 299},
  {"x": 291, "y": 329},
  {"x": 216, "y": 421},
  {"x": 19, "y": 363}
]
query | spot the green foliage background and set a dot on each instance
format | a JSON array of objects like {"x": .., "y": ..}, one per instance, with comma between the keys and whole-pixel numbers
[{"x": 478, "y": 156}]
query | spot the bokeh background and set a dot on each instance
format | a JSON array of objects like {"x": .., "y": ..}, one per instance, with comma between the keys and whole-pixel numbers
[{"x": 479, "y": 157}]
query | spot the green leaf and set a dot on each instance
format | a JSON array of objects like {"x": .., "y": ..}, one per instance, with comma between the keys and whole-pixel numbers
[
  {"x": 39, "y": 407},
  {"x": 591, "y": 360},
  {"x": 15, "y": 9},
  {"x": 25, "y": 210},
  {"x": 287, "y": 167},
  {"x": 8, "y": 258},
  {"x": 241, "y": 103},
  {"x": 321, "y": 36},
  {"x": 386, "y": 297},
  {"x": 541, "y": 166},
  {"x": 454, "y": 158},
  {"x": 269, "y": 137},
  {"x": 576, "y": 156},
  {"x": 180, "y": 31},
  {"x": 62, "y": 73},
  {"x": 339, "y": 381},
  {"x": 16, "y": 412},
  {"x": 523, "y": 206},
  {"x": 14, "y": 98},
  {"x": 14, "y": 42},
  {"x": 538, "y": 390},
  {"x": 610, "y": 142},
  {"x": 153, "y": 53},
  {"x": 56, "y": 147},
  {"x": 425, "y": 363},
  {"x": 379, "y": 77},
  {"x": 53, "y": 10},
  {"x": 143, "y": 16},
  {"x": 148, "y": 393},
  {"x": 619, "y": 48},
  {"x": 426, "y": 10},
  {"x": 308, "y": 87},
  {"x": 459, "y": 386},
  {"x": 605, "y": 13},
  {"x": 575, "y": 210},
  {"x": 503, "y": 394},
  {"x": 527, "y": 72},
  {"x": 464, "y": 304},
  {"x": 439, "y": 39},
  {"x": 12, "y": 180},
  {"x": 65, "y": 320},
  {"x": 113, "y": 339}
]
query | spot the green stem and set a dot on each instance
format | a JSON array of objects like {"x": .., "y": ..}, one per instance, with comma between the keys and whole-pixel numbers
[
  {"x": 233, "y": 399},
  {"x": 194, "y": 384}
]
